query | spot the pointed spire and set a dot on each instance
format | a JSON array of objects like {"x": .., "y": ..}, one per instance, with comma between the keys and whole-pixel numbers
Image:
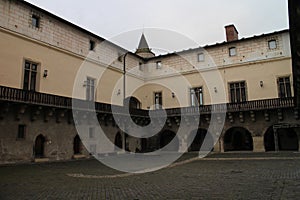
[
  {"x": 143, "y": 43},
  {"x": 143, "y": 49}
]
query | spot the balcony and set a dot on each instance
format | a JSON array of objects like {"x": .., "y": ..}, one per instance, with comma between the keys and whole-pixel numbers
[{"x": 41, "y": 99}]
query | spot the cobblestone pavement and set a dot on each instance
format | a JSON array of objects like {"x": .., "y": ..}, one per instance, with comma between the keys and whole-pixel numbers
[{"x": 220, "y": 176}]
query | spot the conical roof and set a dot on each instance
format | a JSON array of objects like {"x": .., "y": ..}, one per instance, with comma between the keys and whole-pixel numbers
[
  {"x": 143, "y": 43},
  {"x": 143, "y": 49}
]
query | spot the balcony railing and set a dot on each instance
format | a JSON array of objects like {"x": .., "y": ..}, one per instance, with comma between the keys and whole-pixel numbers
[{"x": 43, "y": 99}]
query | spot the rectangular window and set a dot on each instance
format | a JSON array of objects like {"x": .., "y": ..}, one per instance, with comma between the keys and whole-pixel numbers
[
  {"x": 232, "y": 51},
  {"x": 284, "y": 87},
  {"x": 21, "y": 131},
  {"x": 92, "y": 45},
  {"x": 30, "y": 76},
  {"x": 272, "y": 44},
  {"x": 158, "y": 65},
  {"x": 90, "y": 89},
  {"x": 158, "y": 100},
  {"x": 196, "y": 95},
  {"x": 141, "y": 67},
  {"x": 200, "y": 57},
  {"x": 238, "y": 92},
  {"x": 35, "y": 21}
]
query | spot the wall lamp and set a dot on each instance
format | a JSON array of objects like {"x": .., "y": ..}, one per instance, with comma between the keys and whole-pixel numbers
[
  {"x": 261, "y": 83},
  {"x": 119, "y": 92},
  {"x": 173, "y": 95},
  {"x": 45, "y": 73},
  {"x": 215, "y": 89}
]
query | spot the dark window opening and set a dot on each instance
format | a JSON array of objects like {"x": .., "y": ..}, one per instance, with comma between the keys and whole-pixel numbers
[
  {"x": 232, "y": 51},
  {"x": 158, "y": 100},
  {"x": 284, "y": 87},
  {"x": 238, "y": 92},
  {"x": 35, "y": 21},
  {"x": 21, "y": 131},
  {"x": 30, "y": 76},
  {"x": 92, "y": 45}
]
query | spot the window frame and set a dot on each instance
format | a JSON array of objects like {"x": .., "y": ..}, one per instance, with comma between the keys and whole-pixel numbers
[
  {"x": 90, "y": 89},
  {"x": 198, "y": 98},
  {"x": 240, "y": 93},
  {"x": 230, "y": 52},
  {"x": 160, "y": 99},
  {"x": 92, "y": 45},
  {"x": 158, "y": 64},
  {"x": 270, "y": 42},
  {"x": 22, "y": 129},
  {"x": 35, "y": 21},
  {"x": 30, "y": 74},
  {"x": 287, "y": 87},
  {"x": 201, "y": 57}
]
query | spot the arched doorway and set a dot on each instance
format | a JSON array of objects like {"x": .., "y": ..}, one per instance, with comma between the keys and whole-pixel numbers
[
  {"x": 198, "y": 137},
  {"x": 39, "y": 146},
  {"x": 132, "y": 102},
  {"x": 166, "y": 137},
  {"x": 77, "y": 145},
  {"x": 118, "y": 141},
  {"x": 238, "y": 139},
  {"x": 287, "y": 139}
]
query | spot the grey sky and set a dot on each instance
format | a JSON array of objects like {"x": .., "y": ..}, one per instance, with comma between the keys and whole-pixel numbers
[{"x": 200, "y": 20}]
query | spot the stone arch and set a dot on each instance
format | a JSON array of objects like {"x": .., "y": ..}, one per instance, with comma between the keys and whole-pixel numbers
[
  {"x": 287, "y": 139},
  {"x": 238, "y": 139},
  {"x": 165, "y": 138},
  {"x": 77, "y": 145},
  {"x": 198, "y": 137},
  {"x": 39, "y": 146},
  {"x": 118, "y": 141}
]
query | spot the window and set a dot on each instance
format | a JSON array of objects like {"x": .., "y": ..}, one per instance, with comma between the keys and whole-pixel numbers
[
  {"x": 232, "y": 51},
  {"x": 30, "y": 75},
  {"x": 120, "y": 56},
  {"x": 272, "y": 44},
  {"x": 284, "y": 87},
  {"x": 196, "y": 95},
  {"x": 21, "y": 131},
  {"x": 35, "y": 21},
  {"x": 237, "y": 92},
  {"x": 141, "y": 67},
  {"x": 90, "y": 89},
  {"x": 158, "y": 100},
  {"x": 92, "y": 45},
  {"x": 91, "y": 132},
  {"x": 158, "y": 65},
  {"x": 200, "y": 57}
]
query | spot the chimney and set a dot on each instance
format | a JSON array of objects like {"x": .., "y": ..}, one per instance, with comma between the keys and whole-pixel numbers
[{"x": 231, "y": 33}]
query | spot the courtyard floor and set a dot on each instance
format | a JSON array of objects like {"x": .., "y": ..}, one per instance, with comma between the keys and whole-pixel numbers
[{"x": 219, "y": 176}]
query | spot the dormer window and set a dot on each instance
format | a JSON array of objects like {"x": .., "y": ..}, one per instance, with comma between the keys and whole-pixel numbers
[
  {"x": 272, "y": 44},
  {"x": 232, "y": 51},
  {"x": 35, "y": 21}
]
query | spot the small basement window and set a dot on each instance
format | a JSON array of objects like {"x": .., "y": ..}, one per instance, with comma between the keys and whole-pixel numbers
[{"x": 35, "y": 21}]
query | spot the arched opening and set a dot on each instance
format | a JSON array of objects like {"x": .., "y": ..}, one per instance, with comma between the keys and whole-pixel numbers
[
  {"x": 198, "y": 137},
  {"x": 238, "y": 139},
  {"x": 169, "y": 138},
  {"x": 143, "y": 145},
  {"x": 77, "y": 145},
  {"x": 132, "y": 102},
  {"x": 39, "y": 146},
  {"x": 118, "y": 141},
  {"x": 287, "y": 139}
]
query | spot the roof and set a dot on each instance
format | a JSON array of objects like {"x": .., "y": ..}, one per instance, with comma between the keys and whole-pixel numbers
[
  {"x": 222, "y": 44},
  {"x": 143, "y": 43}
]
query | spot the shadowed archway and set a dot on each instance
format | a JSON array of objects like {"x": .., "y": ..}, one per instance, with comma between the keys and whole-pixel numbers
[
  {"x": 238, "y": 139},
  {"x": 39, "y": 146},
  {"x": 198, "y": 137},
  {"x": 166, "y": 137}
]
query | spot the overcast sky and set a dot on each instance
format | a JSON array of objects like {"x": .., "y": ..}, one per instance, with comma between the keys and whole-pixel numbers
[{"x": 201, "y": 21}]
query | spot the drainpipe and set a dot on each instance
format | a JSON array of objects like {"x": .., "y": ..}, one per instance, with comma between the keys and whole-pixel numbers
[
  {"x": 124, "y": 95},
  {"x": 276, "y": 139}
]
